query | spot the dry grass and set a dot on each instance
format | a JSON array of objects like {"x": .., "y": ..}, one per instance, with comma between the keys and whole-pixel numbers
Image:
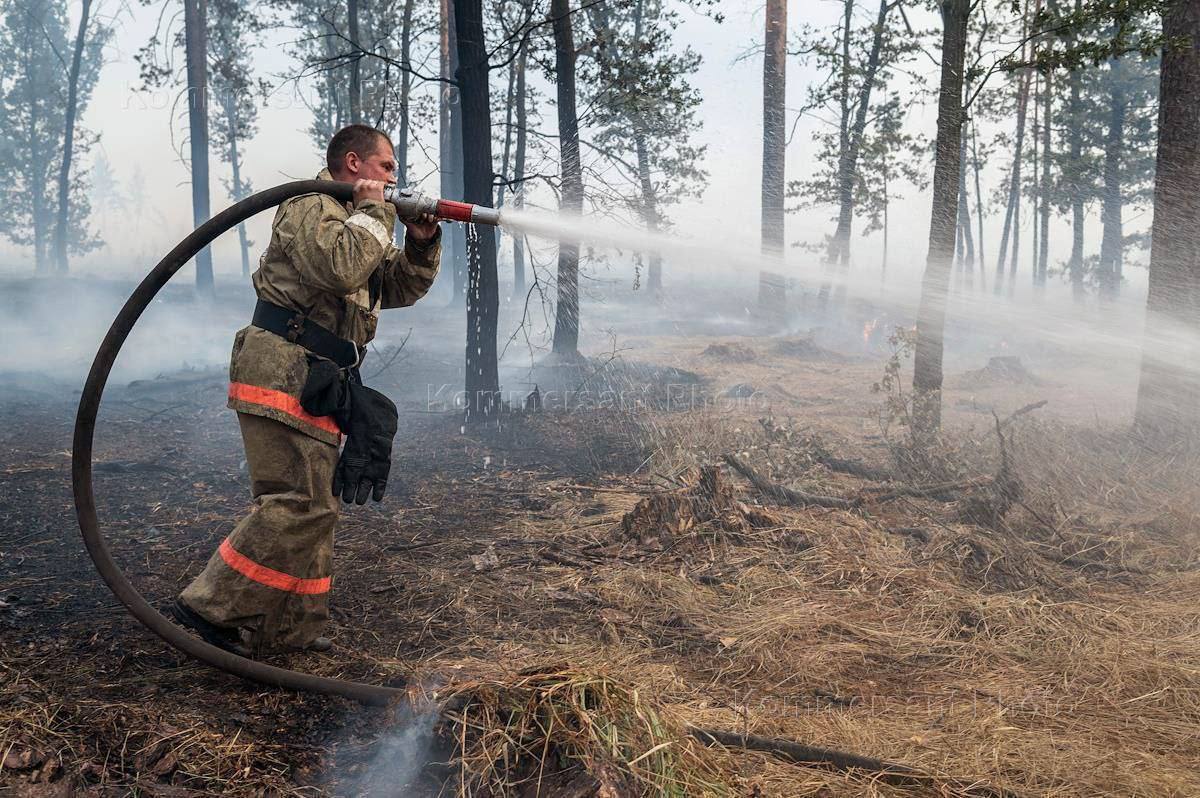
[
  {"x": 535, "y": 733},
  {"x": 1055, "y": 653}
]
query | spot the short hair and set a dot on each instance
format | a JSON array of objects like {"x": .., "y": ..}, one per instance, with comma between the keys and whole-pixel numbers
[{"x": 362, "y": 139}]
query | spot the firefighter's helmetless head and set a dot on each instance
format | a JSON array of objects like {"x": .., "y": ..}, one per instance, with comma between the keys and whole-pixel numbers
[{"x": 361, "y": 152}]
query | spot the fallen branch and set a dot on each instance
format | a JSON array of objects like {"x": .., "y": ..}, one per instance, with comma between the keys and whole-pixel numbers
[
  {"x": 1029, "y": 408},
  {"x": 784, "y": 494},
  {"x": 853, "y": 467},
  {"x": 801, "y": 754}
]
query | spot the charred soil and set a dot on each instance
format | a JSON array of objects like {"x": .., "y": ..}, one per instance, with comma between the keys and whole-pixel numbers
[{"x": 569, "y": 592}]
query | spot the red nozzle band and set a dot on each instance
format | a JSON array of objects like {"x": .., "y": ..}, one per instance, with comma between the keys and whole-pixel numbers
[{"x": 454, "y": 211}]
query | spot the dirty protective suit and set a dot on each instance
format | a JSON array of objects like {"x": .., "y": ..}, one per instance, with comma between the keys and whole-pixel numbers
[{"x": 337, "y": 266}]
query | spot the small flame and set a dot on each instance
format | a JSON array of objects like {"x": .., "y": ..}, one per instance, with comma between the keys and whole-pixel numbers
[{"x": 869, "y": 328}]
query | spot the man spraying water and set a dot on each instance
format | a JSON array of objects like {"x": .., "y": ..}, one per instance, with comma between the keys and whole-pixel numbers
[{"x": 294, "y": 382}]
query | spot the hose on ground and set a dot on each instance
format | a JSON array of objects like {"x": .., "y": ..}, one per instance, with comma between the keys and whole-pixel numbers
[{"x": 81, "y": 459}]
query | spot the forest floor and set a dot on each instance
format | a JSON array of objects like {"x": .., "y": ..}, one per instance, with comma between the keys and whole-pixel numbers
[{"x": 573, "y": 595}]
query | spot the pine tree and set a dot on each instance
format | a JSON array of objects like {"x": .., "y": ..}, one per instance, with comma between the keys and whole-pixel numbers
[
  {"x": 34, "y": 76},
  {"x": 232, "y": 24},
  {"x": 859, "y": 58},
  {"x": 643, "y": 111}
]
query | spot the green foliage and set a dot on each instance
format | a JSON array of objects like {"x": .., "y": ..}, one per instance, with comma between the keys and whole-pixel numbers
[
  {"x": 1093, "y": 33},
  {"x": 325, "y": 53},
  {"x": 897, "y": 405},
  {"x": 35, "y": 52},
  {"x": 636, "y": 94},
  {"x": 233, "y": 111},
  {"x": 888, "y": 153}
]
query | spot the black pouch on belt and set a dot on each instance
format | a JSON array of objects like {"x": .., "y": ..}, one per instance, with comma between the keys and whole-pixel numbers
[
  {"x": 366, "y": 459},
  {"x": 326, "y": 392}
]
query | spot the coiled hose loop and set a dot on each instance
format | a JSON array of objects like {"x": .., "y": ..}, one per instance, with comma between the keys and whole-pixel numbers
[{"x": 81, "y": 458}]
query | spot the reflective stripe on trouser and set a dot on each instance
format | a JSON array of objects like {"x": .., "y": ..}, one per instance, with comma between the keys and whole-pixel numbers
[
  {"x": 272, "y": 573},
  {"x": 281, "y": 401}
]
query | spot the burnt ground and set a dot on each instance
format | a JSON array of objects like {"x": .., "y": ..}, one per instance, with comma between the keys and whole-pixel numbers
[{"x": 1047, "y": 650}]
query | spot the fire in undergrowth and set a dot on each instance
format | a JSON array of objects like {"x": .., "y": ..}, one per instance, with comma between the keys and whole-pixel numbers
[{"x": 868, "y": 329}]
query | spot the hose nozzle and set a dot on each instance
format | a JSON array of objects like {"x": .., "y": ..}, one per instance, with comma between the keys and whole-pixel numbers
[{"x": 413, "y": 204}]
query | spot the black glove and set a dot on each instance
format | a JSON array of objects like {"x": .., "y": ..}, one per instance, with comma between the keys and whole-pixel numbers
[
  {"x": 367, "y": 456},
  {"x": 326, "y": 391}
]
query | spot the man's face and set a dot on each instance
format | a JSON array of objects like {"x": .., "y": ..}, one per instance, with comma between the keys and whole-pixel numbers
[{"x": 380, "y": 164}]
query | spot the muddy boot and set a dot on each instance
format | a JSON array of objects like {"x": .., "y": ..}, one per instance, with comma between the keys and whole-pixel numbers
[{"x": 228, "y": 639}]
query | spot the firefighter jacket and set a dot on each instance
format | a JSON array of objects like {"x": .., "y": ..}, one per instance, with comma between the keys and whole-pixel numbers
[{"x": 338, "y": 267}]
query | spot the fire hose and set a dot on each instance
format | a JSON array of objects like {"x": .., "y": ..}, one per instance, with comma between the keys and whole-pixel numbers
[{"x": 409, "y": 205}]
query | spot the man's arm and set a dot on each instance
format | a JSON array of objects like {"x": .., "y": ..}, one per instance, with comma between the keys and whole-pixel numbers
[
  {"x": 408, "y": 273},
  {"x": 332, "y": 252}
]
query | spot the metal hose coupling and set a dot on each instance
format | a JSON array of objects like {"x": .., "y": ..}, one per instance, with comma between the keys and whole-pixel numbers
[{"x": 412, "y": 204}]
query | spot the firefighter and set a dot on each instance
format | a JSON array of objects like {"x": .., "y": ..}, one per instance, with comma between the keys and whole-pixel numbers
[{"x": 328, "y": 270}]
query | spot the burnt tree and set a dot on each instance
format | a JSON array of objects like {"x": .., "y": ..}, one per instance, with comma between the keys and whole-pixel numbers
[
  {"x": 355, "y": 63},
  {"x": 931, "y": 314},
  {"x": 64, "y": 172},
  {"x": 405, "y": 94},
  {"x": 774, "y": 122},
  {"x": 518, "y": 200},
  {"x": 454, "y": 248},
  {"x": 566, "y": 318},
  {"x": 1112, "y": 237},
  {"x": 195, "y": 16},
  {"x": 853, "y": 129},
  {"x": 1012, "y": 213},
  {"x": 1168, "y": 405},
  {"x": 483, "y": 293}
]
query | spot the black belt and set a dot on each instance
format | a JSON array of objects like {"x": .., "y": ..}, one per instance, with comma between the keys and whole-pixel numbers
[{"x": 292, "y": 325}]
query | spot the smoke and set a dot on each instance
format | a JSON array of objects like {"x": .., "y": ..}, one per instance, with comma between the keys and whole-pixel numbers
[
  {"x": 398, "y": 764},
  {"x": 52, "y": 328},
  {"x": 1051, "y": 318}
]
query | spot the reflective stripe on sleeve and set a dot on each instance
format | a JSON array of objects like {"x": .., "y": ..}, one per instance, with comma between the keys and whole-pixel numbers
[
  {"x": 269, "y": 576},
  {"x": 278, "y": 400},
  {"x": 372, "y": 226}
]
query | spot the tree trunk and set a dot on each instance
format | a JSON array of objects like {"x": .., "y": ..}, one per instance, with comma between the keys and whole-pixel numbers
[
  {"x": 235, "y": 165},
  {"x": 1075, "y": 181},
  {"x": 1168, "y": 406},
  {"x": 334, "y": 110},
  {"x": 483, "y": 294},
  {"x": 964, "y": 218},
  {"x": 566, "y": 321},
  {"x": 508, "y": 140},
  {"x": 976, "y": 168},
  {"x": 1012, "y": 216},
  {"x": 883, "y": 263},
  {"x": 405, "y": 94},
  {"x": 852, "y": 138},
  {"x": 648, "y": 207},
  {"x": 649, "y": 211},
  {"x": 931, "y": 314},
  {"x": 774, "y": 83},
  {"x": 505, "y": 159},
  {"x": 1111, "y": 240},
  {"x": 519, "y": 173},
  {"x": 38, "y": 199},
  {"x": 1043, "y": 254},
  {"x": 450, "y": 151},
  {"x": 649, "y": 194},
  {"x": 1035, "y": 135},
  {"x": 68, "y": 151},
  {"x": 355, "y": 63},
  {"x": 195, "y": 22}
]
